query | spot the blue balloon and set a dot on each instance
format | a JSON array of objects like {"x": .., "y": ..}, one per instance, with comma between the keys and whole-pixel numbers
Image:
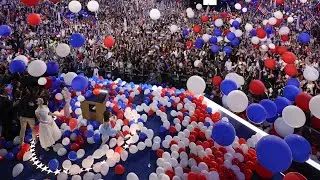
[
  {"x": 227, "y": 86},
  {"x": 215, "y": 48},
  {"x": 5, "y": 30},
  {"x": 77, "y": 40},
  {"x": 199, "y": 43},
  {"x": 256, "y": 113},
  {"x": 80, "y": 83},
  {"x": 72, "y": 156},
  {"x": 52, "y": 67},
  {"x": 213, "y": 40},
  {"x": 162, "y": 129},
  {"x": 300, "y": 147},
  {"x": 231, "y": 36},
  {"x": 223, "y": 133},
  {"x": 95, "y": 124},
  {"x": 281, "y": 103},
  {"x": 273, "y": 119},
  {"x": 227, "y": 49},
  {"x": 88, "y": 94},
  {"x": 209, "y": 110},
  {"x": 268, "y": 29},
  {"x": 274, "y": 154},
  {"x": 143, "y": 136},
  {"x": 253, "y": 32},
  {"x": 89, "y": 134},
  {"x": 207, "y": 124},
  {"x": 236, "y": 24},
  {"x": 17, "y": 66},
  {"x": 96, "y": 138},
  {"x": 293, "y": 81},
  {"x": 217, "y": 32},
  {"x": 235, "y": 42},
  {"x": 185, "y": 32},
  {"x": 291, "y": 92},
  {"x": 270, "y": 107},
  {"x": 9, "y": 144},
  {"x": 304, "y": 38},
  {"x": 9, "y": 156},
  {"x": 53, "y": 164}
]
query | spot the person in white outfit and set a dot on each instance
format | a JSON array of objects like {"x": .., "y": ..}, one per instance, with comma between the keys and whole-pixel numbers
[
  {"x": 49, "y": 132},
  {"x": 67, "y": 96}
]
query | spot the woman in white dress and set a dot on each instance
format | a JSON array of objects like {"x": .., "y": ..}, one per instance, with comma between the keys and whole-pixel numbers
[
  {"x": 67, "y": 96},
  {"x": 49, "y": 132}
]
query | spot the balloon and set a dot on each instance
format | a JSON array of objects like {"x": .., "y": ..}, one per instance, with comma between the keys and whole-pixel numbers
[
  {"x": 300, "y": 147},
  {"x": 261, "y": 33},
  {"x": 237, "y": 101},
  {"x": 53, "y": 164},
  {"x": 227, "y": 49},
  {"x": 154, "y": 14},
  {"x": 185, "y": 32},
  {"x": 17, "y": 170},
  {"x": 235, "y": 42},
  {"x": 68, "y": 78},
  {"x": 268, "y": 29},
  {"x": 215, "y": 48},
  {"x": 22, "y": 58},
  {"x": 228, "y": 86},
  {"x": 270, "y": 63},
  {"x": 304, "y": 38},
  {"x": 74, "y": 6},
  {"x": 199, "y": 6},
  {"x": 17, "y": 66},
  {"x": 290, "y": 70},
  {"x": 288, "y": 57},
  {"x": 72, "y": 156},
  {"x": 274, "y": 154},
  {"x": 294, "y": 175},
  {"x": 52, "y": 67},
  {"x": 291, "y": 92},
  {"x": 257, "y": 87},
  {"x": 34, "y": 19},
  {"x": 302, "y": 101},
  {"x": 62, "y": 151},
  {"x": 270, "y": 107},
  {"x": 314, "y": 105},
  {"x": 206, "y": 37},
  {"x": 255, "y": 40},
  {"x": 236, "y": 24},
  {"x": 108, "y": 42},
  {"x": 77, "y": 40},
  {"x": 204, "y": 19},
  {"x": 132, "y": 176},
  {"x": 282, "y": 128},
  {"x": 5, "y": 30},
  {"x": 190, "y": 14},
  {"x": 281, "y": 103},
  {"x": 216, "y": 80},
  {"x": 223, "y": 133},
  {"x": 196, "y": 85},
  {"x": 174, "y": 28},
  {"x": 293, "y": 82},
  {"x": 199, "y": 43},
  {"x": 310, "y": 73},
  {"x": 231, "y": 36},
  {"x": 248, "y": 27},
  {"x": 294, "y": 116},
  {"x": 93, "y": 6},
  {"x": 42, "y": 81},
  {"x": 37, "y": 68},
  {"x": 30, "y": 2},
  {"x": 73, "y": 124},
  {"x": 80, "y": 83},
  {"x": 66, "y": 164},
  {"x": 218, "y": 23},
  {"x": 63, "y": 50},
  {"x": 119, "y": 169},
  {"x": 27, "y": 156},
  {"x": 256, "y": 113},
  {"x": 217, "y": 32}
]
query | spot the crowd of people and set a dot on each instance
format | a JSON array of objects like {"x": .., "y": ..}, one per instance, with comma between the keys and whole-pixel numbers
[{"x": 146, "y": 50}]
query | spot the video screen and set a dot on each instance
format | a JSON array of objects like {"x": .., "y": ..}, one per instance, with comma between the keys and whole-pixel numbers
[{"x": 210, "y": 2}]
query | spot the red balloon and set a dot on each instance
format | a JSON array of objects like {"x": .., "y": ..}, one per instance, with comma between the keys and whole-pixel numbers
[
  {"x": 196, "y": 28},
  {"x": 279, "y": 21},
  {"x": 192, "y": 176},
  {"x": 224, "y": 15},
  {"x": 263, "y": 172},
  {"x": 216, "y": 80},
  {"x": 315, "y": 122},
  {"x": 257, "y": 87},
  {"x": 285, "y": 37},
  {"x": 281, "y": 49},
  {"x": 189, "y": 44},
  {"x": 119, "y": 169},
  {"x": 1, "y": 158},
  {"x": 25, "y": 147},
  {"x": 96, "y": 92},
  {"x": 118, "y": 149},
  {"x": 73, "y": 124},
  {"x": 302, "y": 101},
  {"x": 270, "y": 63},
  {"x": 170, "y": 173},
  {"x": 34, "y": 19},
  {"x": 75, "y": 147},
  {"x": 290, "y": 70},
  {"x": 279, "y": 1},
  {"x": 30, "y": 2},
  {"x": 79, "y": 140},
  {"x": 20, "y": 155},
  {"x": 215, "y": 17},
  {"x": 109, "y": 42},
  {"x": 204, "y": 19},
  {"x": 294, "y": 176},
  {"x": 289, "y": 57},
  {"x": 54, "y": 1},
  {"x": 172, "y": 129},
  {"x": 261, "y": 33},
  {"x": 159, "y": 153},
  {"x": 48, "y": 85}
]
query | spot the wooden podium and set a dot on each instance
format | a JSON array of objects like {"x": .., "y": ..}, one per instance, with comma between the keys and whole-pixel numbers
[{"x": 94, "y": 107}]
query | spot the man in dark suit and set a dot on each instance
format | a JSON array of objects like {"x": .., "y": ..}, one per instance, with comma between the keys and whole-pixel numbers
[{"x": 5, "y": 114}]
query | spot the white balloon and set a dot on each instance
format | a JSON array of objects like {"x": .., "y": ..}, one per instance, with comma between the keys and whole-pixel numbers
[
  {"x": 104, "y": 169},
  {"x": 278, "y": 14},
  {"x": 27, "y": 156},
  {"x": 272, "y": 21},
  {"x": 141, "y": 146},
  {"x": 174, "y": 28},
  {"x": 97, "y": 177},
  {"x": 255, "y": 40},
  {"x": 133, "y": 149},
  {"x": 218, "y": 22},
  {"x": 62, "y": 151},
  {"x": 88, "y": 176},
  {"x": 237, "y": 101},
  {"x": 189, "y": 10},
  {"x": 153, "y": 176},
  {"x": 98, "y": 154},
  {"x": 69, "y": 77},
  {"x": 199, "y": 6},
  {"x": 190, "y": 14},
  {"x": 238, "y": 33},
  {"x": 314, "y": 105},
  {"x": 97, "y": 167},
  {"x": 310, "y": 73},
  {"x": 303, "y": 1},
  {"x": 294, "y": 116},
  {"x": 154, "y": 14},
  {"x": 237, "y": 6},
  {"x": 17, "y": 170},
  {"x": 63, "y": 50},
  {"x": 290, "y": 19},
  {"x": 248, "y": 27},
  {"x": 93, "y": 6},
  {"x": 196, "y": 85},
  {"x": 244, "y": 9},
  {"x": 236, "y": 78},
  {"x": 22, "y": 58},
  {"x": 206, "y": 37},
  {"x": 65, "y": 141},
  {"x": 112, "y": 142},
  {"x": 80, "y": 153},
  {"x": 42, "y": 81},
  {"x": 62, "y": 176},
  {"x": 74, "y": 6},
  {"x": 75, "y": 169},
  {"x": 282, "y": 128},
  {"x": 271, "y": 46},
  {"x": 87, "y": 163},
  {"x": 132, "y": 176},
  {"x": 37, "y": 68},
  {"x": 124, "y": 155},
  {"x": 66, "y": 164}
]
